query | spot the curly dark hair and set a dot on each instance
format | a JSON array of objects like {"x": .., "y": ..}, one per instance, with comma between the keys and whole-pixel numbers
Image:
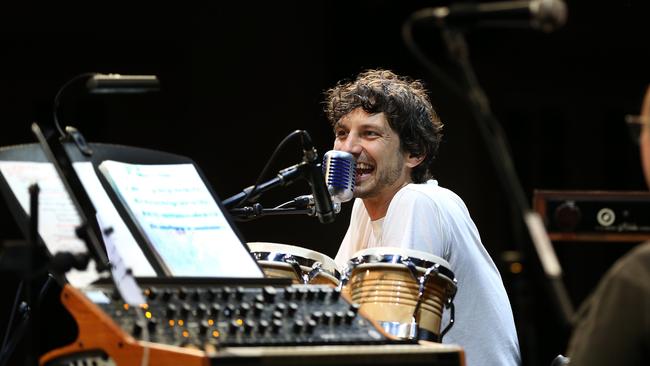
[{"x": 405, "y": 104}]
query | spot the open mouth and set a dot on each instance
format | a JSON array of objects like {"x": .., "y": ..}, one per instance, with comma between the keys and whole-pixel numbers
[{"x": 363, "y": 170}]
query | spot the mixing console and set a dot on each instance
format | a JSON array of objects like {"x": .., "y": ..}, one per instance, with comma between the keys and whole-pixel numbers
[
  {"x": 200, "y": 324},
  {"x": 242, "y": 316}
]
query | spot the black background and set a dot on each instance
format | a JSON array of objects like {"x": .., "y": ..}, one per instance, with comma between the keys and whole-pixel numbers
[{"x": 237, "y": 78}]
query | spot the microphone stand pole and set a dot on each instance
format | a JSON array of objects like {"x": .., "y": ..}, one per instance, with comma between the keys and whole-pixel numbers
[
  {"x": 256, "y": 210},
  {"x": 498, "y": 150},
  {"x": 283, "y": 178}
]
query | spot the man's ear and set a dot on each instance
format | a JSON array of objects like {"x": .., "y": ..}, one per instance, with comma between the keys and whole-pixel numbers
[{"x": 414, "y": 160}]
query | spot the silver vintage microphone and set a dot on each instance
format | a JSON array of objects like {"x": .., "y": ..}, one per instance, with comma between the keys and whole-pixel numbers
[
  {"x": 339, "y": 172},
  {"x": 339, "y": 169}
]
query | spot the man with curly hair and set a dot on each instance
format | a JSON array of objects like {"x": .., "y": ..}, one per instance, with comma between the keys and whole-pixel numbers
[{"x": 387, "y": 122}]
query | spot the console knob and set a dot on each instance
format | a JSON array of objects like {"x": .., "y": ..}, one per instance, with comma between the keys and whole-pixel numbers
[
  {"x": 229, "y": 310},
  {"x": 239, "y": 293},
  {"x": 243, "y": 309},
  {"x": 301, "y": 293},
  {"x": 203, "y": 327},
  {"x": 293, "y": 307},
  {"x": 151, "y": 325},
  {"x": 262, "y": 326},
  {"x": 233, "y": 327},
  {"x": 327, "y": 317},
  {"x": 170, "y": 311},
  {"x": 311, "y": 293},
  {"x": 289, "y": 293},
  {"x": 276, "y": 325},
  {"x": 297, "y": 326},
  {"x": 182, "y": 293},
  {"x": 311, "y": 325},
  {"x": 282, "y": 308},
  {"x": 269, "y": 293},
  {"x": 215, "y": 309},
  {"x": 338, "y": 317},
  {"x": 196, "y": 295},
  {"x": 201, "y": 309},
  {"x": 166, "y": 295},
  {"x": 336, "y": 293},
  {"x": 186, "y": 309},
  {"x": 249, "y": 325},
  {"x": 212, "y": 294},
  {"x": 349, "y": 317},
  {"x": 151, "y": 293},
  {"x": 257, "y": 310},
  {"x": 322, "y": 294},
  {"x": 317, "y": 315},
  {"x": 137, "y": 329},
  {"x": 225, "y": 294}
]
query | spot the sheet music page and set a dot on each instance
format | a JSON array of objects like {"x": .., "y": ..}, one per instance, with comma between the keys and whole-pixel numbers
[
  {"x": 185, "y": 226},
  {"x": 58, "y": 217},
  {"x": 127, "y": 248}
]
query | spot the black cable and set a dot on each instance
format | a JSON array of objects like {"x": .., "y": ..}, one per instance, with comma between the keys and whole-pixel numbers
[
  {"x": 11, "y": 317},
  {"x": 268, "y": 164},
  {"x": 57, "y": 99}
]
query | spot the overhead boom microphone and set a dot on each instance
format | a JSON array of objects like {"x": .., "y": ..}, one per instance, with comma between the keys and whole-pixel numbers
[{"x": 545, "y": 15}]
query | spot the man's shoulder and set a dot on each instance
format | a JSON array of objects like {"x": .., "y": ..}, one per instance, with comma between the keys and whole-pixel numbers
[{"x": 429, "y": 190}]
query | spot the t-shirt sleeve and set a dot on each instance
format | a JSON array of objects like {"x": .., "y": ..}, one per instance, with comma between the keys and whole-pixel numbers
[{"x": 414, "y": 221}]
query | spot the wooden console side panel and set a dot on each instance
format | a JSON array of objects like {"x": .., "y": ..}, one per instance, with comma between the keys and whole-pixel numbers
[{"x": 97, "y": 331}]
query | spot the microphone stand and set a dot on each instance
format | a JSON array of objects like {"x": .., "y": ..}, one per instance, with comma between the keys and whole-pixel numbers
[
  {"x": 499, "y": 152},
  {"x": 283, "y": 178},
  {"x": 256, "y": 210}
]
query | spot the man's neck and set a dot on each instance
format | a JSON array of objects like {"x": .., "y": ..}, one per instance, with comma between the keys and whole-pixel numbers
[{"x": 377, "y": 206}]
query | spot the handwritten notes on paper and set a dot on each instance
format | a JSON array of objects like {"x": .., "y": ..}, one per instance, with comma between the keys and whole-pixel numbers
[{"x": 184, "y": 225}]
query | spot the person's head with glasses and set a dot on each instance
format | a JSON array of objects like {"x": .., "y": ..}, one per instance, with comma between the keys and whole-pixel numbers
[{"x": 640, "y": 130}]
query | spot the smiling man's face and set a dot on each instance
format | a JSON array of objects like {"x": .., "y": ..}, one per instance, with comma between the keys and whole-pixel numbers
[{"x": 382, "y": 167}]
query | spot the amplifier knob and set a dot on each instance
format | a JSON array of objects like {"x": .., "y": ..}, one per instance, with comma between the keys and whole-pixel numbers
[
  {"x": 567, "y": 216},
  {"x": 606, "y": 217}
]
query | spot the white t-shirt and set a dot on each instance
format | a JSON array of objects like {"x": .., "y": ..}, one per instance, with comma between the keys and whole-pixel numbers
[{"x": 435, "y": 220}]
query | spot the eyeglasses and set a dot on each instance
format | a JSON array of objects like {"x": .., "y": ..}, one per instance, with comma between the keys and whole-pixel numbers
[{"x": 636, "y": 124}]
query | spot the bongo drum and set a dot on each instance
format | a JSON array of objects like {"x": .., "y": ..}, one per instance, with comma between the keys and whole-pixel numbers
[
  {"x": 304, "y": 266},
  {"x": 404, "y": 290}
]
